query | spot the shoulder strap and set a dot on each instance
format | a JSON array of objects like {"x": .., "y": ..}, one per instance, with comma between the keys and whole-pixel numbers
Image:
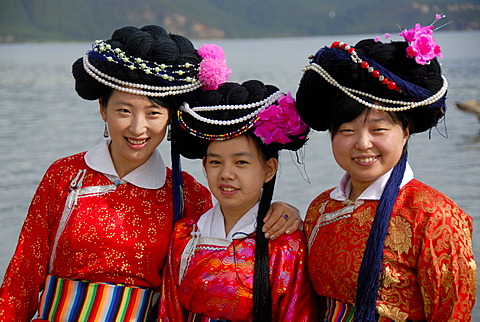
[{"x": 67, "y": 210}]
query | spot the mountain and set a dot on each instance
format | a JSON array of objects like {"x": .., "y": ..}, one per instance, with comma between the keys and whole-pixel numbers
[{"x": 85, "y": 20}]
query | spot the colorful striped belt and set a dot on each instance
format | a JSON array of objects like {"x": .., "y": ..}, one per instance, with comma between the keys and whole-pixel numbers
[
  {"x": 338, "y": 311},
  {"x": 69, "y": 300}
]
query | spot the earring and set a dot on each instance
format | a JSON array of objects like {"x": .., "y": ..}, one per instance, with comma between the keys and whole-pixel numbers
[
  {"x": 105, "y": 131},
  {"x": 169, "y": 134}
]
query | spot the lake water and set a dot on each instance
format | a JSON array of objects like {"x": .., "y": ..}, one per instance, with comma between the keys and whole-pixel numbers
[{"x": 43, "y": 119}]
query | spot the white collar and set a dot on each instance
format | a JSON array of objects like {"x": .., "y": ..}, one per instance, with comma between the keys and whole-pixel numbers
[
  {"x": 150, "y": 175},
  {"x": 212, "y": 224},
  {"x": 373, "y": 191}
]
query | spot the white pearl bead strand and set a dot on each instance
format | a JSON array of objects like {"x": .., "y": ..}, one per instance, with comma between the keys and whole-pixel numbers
[
  {"x": 263, "y": 104},
  {"x": 351, "y": 93},
  {"x": 135, "y": 88}
]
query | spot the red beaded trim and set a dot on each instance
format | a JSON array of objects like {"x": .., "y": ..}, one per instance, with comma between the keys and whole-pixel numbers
[
  {"x": 365, "y": 65},
  {"x": 216, "y": 137}
]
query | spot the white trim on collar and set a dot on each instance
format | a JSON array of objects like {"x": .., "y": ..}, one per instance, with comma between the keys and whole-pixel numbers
[
  {"x": 212, "y": 224},
  {"x": 374, "y": 191},
  {"x": 150, "y": 175}
]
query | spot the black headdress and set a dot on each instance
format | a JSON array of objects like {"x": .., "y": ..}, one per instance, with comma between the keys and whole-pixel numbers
[
  {"x": 254, "y": 109},
  {"x": 341, "y": 82},
  {"x": 234, "y": 109},
  {"x": 146, "y": 61},
  {"x": 371, "y": 75}
]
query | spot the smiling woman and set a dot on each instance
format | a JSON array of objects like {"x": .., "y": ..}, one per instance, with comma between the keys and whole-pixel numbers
[
  {"x": 256, "y": 279},
  {"x": 136, "y": 125},
  {"x": 100, "y": 221},
  {"x": 368, "y": 147},
  {"x": 383, "y": 246},
  {"x": 236, "y": 173}
]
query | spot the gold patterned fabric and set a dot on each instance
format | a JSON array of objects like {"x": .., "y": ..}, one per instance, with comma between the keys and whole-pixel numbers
[
  {"x": 119, "y": 236},
  {"x": 429, "y": 272}
]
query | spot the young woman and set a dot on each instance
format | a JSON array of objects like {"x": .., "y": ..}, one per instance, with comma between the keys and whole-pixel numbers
[
  {"x": 98, "y": 227},
  {"x": 383, "y": 245},
  {"x": 220, "y": 265}
]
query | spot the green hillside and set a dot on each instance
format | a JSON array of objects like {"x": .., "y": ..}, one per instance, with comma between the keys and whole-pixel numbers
[{"x": 65, "y": 20}]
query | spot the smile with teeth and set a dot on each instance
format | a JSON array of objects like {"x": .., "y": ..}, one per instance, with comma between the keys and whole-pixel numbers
[
  {"x": 364, "y": 160},
  {"x": 136, "y": 142},
  {"x": 227, "y": 189}
]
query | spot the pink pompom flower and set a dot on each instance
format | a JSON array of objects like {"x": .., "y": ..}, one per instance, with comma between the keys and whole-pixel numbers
[
  {"x": 422, "y": 45},
  {"x": 279, "y": 121},
  {"x": 213, "y": 67}
]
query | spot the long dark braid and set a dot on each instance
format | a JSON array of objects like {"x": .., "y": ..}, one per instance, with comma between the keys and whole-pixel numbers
[
  {"x": 262, "y": 295},
  {"x": 193, "y": 146}
]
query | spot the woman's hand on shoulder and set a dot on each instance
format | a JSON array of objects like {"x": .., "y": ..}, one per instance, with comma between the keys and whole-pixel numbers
[{"x": 281, "y": 218}]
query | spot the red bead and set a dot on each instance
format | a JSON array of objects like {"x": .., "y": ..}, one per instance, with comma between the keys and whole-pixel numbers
[
  {"x": 364, "y": 64},
  {"x": 391, "y": 85},
  {"x": 385, "y": 81},
  {"x": 376, "y": 74},
  {"x": 335, "y": 44},
  {"x": 344, "y": 45},
  {"x": 351, "y": 50},
  {"x": 397, "y": 89}
]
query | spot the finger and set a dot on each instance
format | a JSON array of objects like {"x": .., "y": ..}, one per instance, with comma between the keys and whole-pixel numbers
[
  {"x": 273, "y": 214},
  {"x": 281, "y": 217},
  {"x": 281, "y": 225},
  {"x": 267, "y": 217},
  {"x": 294, "y": 227}
]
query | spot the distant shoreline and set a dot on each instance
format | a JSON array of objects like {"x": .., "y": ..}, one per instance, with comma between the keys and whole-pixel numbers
[{"x": 193, "y": 39}]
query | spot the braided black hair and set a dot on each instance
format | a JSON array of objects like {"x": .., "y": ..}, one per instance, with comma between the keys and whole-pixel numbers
[
  {"x": 320, "y": 103},
  {"x": 151, "y": 43},
  {"x": 194, "y": 147},
  {"x": 325, "y": 107}
]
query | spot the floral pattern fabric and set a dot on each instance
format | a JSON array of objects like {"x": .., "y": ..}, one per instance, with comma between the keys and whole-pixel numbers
[
  {"x": 218, "y": 279},
  {"x": 429, "y": 272},
  {"x": 118, "y": 237}
]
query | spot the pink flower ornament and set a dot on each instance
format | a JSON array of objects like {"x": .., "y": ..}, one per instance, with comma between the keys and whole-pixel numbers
[
  {"x": 422, "y": 45},
  {"x": 213, "y": 67},
  {"x": 279, "y": 121}
]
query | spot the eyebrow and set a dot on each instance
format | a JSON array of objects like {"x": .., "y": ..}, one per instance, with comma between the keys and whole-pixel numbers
[
  {"x": 379, "y": 119},
  {"x": 127, "y": 103},
  {"x": 237, "y": 154}
]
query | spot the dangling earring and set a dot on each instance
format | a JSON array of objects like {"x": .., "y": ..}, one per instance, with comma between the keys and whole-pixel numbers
[
  {"x": 105, "y": 131},
  {"x": 169, "y": 134}
]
